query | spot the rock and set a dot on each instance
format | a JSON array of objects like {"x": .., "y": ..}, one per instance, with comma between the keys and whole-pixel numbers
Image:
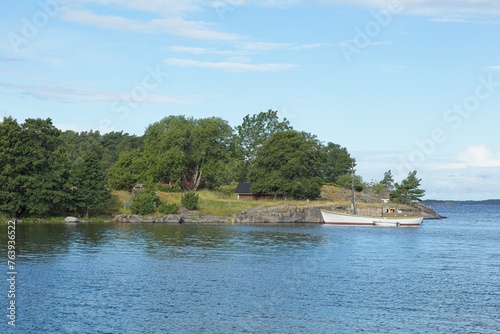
[
  {"x": 73, "y": 220},
  {"x": 280, "y": 214},
  {"x": 258, "y": 215}
]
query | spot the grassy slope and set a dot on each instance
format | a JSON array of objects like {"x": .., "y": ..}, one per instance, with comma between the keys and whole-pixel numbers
[{"x": 224, "y": 201}]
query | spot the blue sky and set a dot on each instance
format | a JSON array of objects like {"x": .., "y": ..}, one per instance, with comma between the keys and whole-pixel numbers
[{"x": 402, "y": 85}]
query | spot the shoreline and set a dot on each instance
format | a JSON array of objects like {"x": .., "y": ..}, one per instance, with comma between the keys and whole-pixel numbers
[{"x": 281, "y": 214}]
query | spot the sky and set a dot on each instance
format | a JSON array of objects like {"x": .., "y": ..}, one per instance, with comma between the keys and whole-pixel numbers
[{"x": 403, "y": 85}]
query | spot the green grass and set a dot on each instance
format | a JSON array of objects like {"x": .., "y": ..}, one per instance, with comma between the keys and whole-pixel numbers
[{"x": 221, "y": 202}]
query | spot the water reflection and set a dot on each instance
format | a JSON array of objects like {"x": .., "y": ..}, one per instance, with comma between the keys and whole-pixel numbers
[{"x": 46, "y": 242}]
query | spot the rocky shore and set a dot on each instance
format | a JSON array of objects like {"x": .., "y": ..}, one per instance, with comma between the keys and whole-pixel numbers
[{"x": 259, "y": 215}]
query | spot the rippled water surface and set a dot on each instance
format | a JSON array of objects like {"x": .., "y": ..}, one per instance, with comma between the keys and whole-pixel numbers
[{"x": 443, "y": 277}]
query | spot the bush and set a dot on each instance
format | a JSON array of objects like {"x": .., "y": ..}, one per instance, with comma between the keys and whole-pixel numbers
[
  {"x": 190, "y": 200},
  {"x": 168, "y": 209},
  {"x": 143, "y": 203},
  {"x": 167, "y": 188}
]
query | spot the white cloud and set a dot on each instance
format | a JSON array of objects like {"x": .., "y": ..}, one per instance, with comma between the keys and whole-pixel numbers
[
  {"x": 421, "y": 7},
  {"x": 190, "y": 49},
  {"x": 465, "y": 19},
  {"x": 479, "y": 156},
  {"x": 229, "y": 66},
  {"x": 270, "y": 46},
  {"x": 174, "y": 25},
  {"x": 493, "y": 68},
  {"x": 474, "y": 156},
  {"x": 167, "y": 7},
  {"x": 234, "y": 54},
  {"x": 70, "y": 93}
]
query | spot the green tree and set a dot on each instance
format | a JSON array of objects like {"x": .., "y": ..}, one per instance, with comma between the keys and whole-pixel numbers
[
  {"x": 12, "y": 199},
  {"x": 337, "y": 162},
  {"x": 377, "y": 188},
  {"x": 388, "y": 181},
  {"x": 115, "y": 143},
  {"x": 288, "y": 164},
  {"x": 34, "y": 167},
  {"x": 408, "y": 191},
  {"x": 192, "y": 150},
  {"x": 345, "y": 181},
  {"x": 127, "y": 171},
  {"x": 88, "y": 185},
  {"x": 253, "y": 132}
]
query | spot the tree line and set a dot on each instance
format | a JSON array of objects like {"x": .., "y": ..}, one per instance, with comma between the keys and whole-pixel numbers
[{"x": 45, "y": 171}]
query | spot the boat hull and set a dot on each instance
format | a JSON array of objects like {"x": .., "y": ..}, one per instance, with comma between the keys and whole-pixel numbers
[{"x": 342, "y": 219}]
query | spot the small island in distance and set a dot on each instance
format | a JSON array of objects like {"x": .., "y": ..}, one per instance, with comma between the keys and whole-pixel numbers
[{"x": 430, "y": 202}]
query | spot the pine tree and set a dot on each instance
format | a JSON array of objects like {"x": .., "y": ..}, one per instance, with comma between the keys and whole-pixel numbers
[{"x": 408, "y": 191}]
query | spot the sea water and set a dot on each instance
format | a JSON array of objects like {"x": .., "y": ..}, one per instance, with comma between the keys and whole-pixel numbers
[{"x": 442, "y": 277}]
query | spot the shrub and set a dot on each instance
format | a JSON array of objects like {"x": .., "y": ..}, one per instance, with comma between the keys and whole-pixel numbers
[
  {"x": 143, "y": 203},
  {"x": 190, "y": 200},
  {"x": 167, "y": 188},
  {"x": 168, "y": 209}
]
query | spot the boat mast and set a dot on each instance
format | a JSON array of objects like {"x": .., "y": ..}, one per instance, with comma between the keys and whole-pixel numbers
[{"x": 353, "y": 199}]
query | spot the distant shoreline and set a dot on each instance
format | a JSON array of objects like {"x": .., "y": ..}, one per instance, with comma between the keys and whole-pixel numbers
[{"x": 466, "y": 202}]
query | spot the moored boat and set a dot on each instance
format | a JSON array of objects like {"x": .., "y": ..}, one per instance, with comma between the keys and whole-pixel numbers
[
  {"x": 344, "y": 219},
  {"x": 396, "y": 218}
]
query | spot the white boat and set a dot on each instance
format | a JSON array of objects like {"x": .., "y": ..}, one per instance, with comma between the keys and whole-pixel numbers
[
  {"x": 345, "y": 219},
  {"x": 394, "y": 220}
]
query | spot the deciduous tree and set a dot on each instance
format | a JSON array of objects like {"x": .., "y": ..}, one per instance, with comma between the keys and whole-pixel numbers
[
  {"x": 253, "y": 132},
  {"x": 337, "y": 162},
  {"x": 288, "y": 164}
]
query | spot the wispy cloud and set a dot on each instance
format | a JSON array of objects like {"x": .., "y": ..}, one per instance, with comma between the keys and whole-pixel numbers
[
  {"x": 230, "y": 66},
  {"x": 466, "y": 19},
  {"x": 493, "y": 68},
  {"x": 9, "y": 59},
  {"x": 174, "y": 25},
  {"x": 421, "y": 7},
  {"x": 207, "y": 51},
  {"x": 166, "y": 7},
  {"x": 474, "y": 156},
  {"x": 70, "y": 93},
  {"x": 270, "y": 46}
]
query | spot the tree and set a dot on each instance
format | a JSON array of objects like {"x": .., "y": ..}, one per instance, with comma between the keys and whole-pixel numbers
[
  {"x": 288, "y": 164},
  {"x": 388, "y": 181},
  {"x": 115, "y": 143},
  {"x": 211, "y": 147},
  {"x": 408, "y": 191},
  {"x": 126, "y": 171},
  {"x": 34, "y": 167},
  {"x": 88, "y": 185},
  {"x": 187, "y": 149},
  {"x": 337, "y": 162},
  {"x": 254, "y": 131},
  {"x": 345, "y": 181},
  {"x": 11, "y": 178}
]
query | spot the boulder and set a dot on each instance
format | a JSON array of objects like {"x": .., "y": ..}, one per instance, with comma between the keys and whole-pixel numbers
[{"x": 73, "y": 220}]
